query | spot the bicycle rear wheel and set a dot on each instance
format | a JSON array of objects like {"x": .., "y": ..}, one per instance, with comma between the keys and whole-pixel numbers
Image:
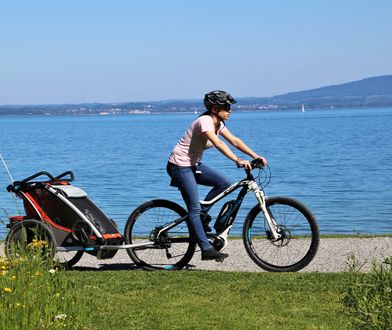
[
  {"x": 172, "y": 249},
  {"x": 300, "y": 236}
]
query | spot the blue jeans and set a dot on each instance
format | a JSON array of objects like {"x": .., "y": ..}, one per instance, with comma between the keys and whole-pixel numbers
[{"x": 186, "y": 179}]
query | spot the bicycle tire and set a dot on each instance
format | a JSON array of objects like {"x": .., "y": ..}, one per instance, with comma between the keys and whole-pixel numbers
[
  {"x": 22, "y": 234},
  {"x": 179, "y": 245},
  {"x": 34, "y": 228},
  {"x": 298, "y": 245}
]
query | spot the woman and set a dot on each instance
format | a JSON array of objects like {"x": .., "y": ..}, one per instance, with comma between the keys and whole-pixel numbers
[{"x": 186, "y": 170}]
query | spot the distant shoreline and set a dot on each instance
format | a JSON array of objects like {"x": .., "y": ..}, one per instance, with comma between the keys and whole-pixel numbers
[{"x": 54, "y": 113}]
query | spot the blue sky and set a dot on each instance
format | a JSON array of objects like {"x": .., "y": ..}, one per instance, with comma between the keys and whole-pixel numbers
[{"x": 118, "y": 51}]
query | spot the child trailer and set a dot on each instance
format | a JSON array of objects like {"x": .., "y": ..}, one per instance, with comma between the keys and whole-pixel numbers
[{"x": 62, "y": 215}]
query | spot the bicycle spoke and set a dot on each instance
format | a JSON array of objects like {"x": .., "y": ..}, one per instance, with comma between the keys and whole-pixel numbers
[
  {"x": 299, "y": 236},
  {"x": 172, "y": 248}
]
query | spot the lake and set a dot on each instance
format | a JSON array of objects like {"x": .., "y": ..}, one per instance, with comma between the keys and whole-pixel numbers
[{"x": 338, "y": 162}]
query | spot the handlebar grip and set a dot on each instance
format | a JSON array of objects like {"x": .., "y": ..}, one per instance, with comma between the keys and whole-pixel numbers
[{"x": 257, "y": 163}]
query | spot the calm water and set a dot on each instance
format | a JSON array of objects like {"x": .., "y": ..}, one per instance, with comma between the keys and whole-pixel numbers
[{"x": 338, "y": 162}]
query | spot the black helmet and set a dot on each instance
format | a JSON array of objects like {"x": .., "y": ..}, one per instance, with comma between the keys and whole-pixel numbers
[{"x": 219, "y": 98}]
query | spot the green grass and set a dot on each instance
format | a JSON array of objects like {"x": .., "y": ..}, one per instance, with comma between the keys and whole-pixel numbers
[
  {"x": 213, "y": 300},
  {"x": 194, "y": 299},
  {"x": 34, "y": 294},
  {"x": 368, "y": 298}
]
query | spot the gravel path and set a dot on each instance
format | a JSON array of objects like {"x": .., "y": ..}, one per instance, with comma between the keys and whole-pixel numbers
[{"x": 334, "y": 255}]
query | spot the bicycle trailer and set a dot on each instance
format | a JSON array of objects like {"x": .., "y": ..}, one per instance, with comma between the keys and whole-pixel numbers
[{"x": 63, "y": 216}]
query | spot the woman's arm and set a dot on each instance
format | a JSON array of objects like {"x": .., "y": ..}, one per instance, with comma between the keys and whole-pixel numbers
[
  {"x": 240, "y": 145},
  {"x": 220, "y": 145},
  {"x": 224, "y": 149}
]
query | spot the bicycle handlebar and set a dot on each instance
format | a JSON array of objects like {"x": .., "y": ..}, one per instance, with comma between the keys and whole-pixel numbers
[{"x": 255, "y": 163}]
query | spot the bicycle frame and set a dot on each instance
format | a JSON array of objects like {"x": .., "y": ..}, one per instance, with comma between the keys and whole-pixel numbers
[{"x": 248, "y": 184}]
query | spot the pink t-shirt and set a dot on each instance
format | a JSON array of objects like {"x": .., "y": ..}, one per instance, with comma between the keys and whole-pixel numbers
[{"x": 189, "y": 150}]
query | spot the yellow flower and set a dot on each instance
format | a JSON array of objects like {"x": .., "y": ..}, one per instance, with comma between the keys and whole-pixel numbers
[
  {"x": 7, "y": 290},
  {"x": 38, "y": 244}
]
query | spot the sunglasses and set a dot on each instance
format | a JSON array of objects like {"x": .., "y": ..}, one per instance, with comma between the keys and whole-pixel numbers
[{"x": 226, "y": 108}]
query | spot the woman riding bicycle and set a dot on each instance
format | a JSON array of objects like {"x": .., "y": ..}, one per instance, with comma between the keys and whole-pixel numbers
[{"x": 186, "y": 170}]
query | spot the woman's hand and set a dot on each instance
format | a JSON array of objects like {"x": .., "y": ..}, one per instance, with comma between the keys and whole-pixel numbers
[
  {"x": 247, "y": 164},
  {"x": 243, "y": 163},
  {"x": 263, "y": 160}
]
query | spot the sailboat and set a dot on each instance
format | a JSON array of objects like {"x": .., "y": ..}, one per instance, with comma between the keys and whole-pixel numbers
[{"x": 303, "y": 108}]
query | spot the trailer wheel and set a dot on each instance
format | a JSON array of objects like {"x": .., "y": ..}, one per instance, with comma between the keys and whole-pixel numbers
[
  {"x": 30, "y": 236},
  {"x": 67, "y": 259}
]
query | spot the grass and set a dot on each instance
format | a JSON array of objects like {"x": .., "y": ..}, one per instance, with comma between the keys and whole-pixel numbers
[
  {"x": 190, "y": 299},
  {"x": 213, "y": 300},
  {"x": 35, "y": 294},
  {"x": 368, "y": 298}
]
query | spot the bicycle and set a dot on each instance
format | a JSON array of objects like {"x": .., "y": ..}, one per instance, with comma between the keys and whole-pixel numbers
[{"x": 280, "y": 234}]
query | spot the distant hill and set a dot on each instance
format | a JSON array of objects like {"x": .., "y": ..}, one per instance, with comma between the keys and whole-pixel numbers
[
  {"x": 375, "y": 91},
  {"x": 369, "y": 92}
]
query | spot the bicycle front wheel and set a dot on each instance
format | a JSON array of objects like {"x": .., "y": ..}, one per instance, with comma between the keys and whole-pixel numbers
[
  {"x": 299, "y": 241},
  {"x": 171, "y": 249}
]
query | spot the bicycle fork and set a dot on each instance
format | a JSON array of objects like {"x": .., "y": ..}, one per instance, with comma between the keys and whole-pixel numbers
[{"x": 260, "y": 196}]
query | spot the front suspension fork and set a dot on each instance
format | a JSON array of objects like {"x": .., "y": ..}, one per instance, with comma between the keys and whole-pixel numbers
[{"x": 259, "y": 194}]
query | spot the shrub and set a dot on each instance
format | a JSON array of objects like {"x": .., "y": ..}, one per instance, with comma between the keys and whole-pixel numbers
[{"x": 368, "y": 298}]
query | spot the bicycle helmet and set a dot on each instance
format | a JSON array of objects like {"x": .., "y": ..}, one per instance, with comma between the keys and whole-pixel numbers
[{"x": 218, "y": 98}]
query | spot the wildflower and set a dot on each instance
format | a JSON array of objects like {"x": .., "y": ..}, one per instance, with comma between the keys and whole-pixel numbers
[
  {"x": 7, "y": 290},
  {"x": 60, "y": 317},
  {"x": 38, "y": 273},
  {"x": 18, "y": 305},
  {"x": 36, "y": 243},
  {"x": 52, "y": 271}
]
